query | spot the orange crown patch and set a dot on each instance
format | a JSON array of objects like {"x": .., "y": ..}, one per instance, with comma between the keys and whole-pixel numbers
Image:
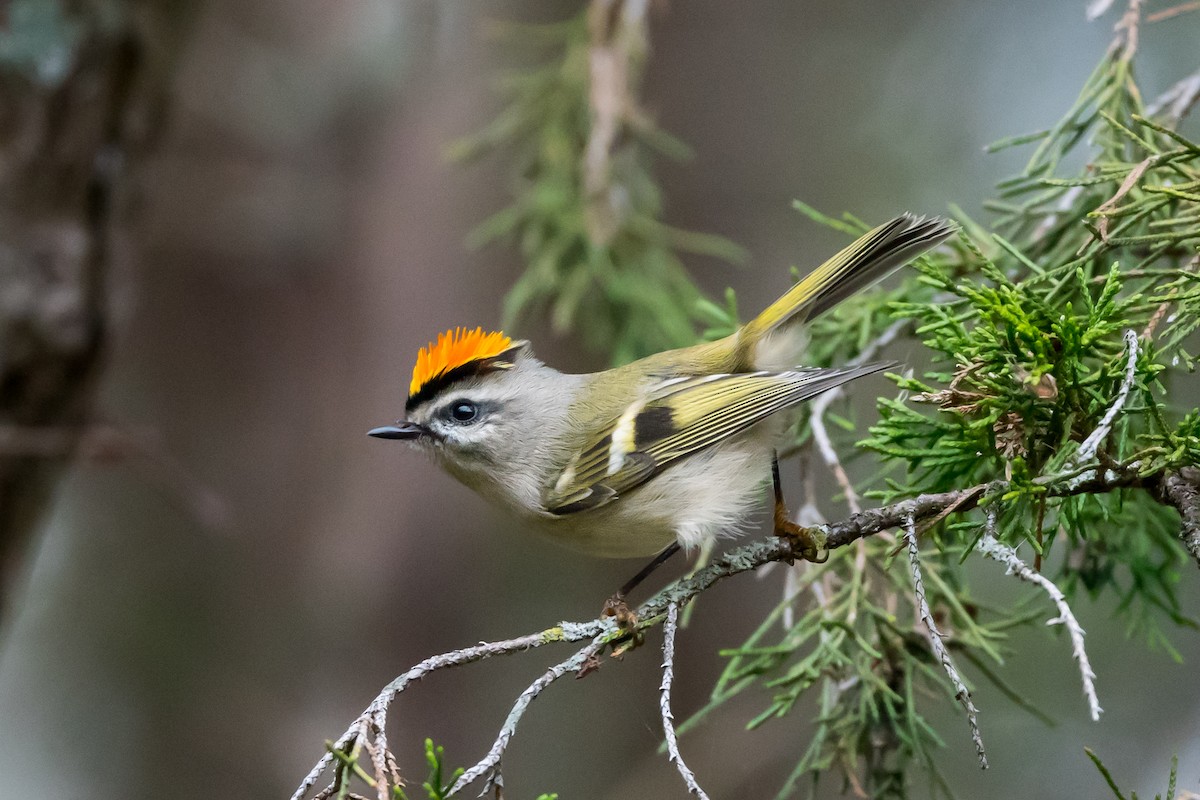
[{"x": 453, "y": 349}]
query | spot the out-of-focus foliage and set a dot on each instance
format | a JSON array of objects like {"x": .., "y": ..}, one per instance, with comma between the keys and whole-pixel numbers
[
  {"x": 1026, "y": 333},
  {"x": 1112, "y": 784},
  {"x": 586, "y": 211}
]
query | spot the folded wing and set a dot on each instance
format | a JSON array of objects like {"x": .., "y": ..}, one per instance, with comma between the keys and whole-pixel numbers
[{"x": 675, "y": 419}]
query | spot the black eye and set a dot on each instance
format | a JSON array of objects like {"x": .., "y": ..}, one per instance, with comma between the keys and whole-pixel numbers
[{"x": 464, "y": 411}]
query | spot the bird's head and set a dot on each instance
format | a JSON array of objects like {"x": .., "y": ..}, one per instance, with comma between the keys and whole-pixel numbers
[{"x": 458, "y": 394}]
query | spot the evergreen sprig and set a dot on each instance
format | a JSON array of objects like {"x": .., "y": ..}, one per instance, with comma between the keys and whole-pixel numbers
[
  {"x": 435, "y": 787},
  {"x": 1172, "y": 779}
]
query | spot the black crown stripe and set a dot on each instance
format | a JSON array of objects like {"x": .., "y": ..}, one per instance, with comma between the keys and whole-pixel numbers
[{"x": 448, "y": 377}]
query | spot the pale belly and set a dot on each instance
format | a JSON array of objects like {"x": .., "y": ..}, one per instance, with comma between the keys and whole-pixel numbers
[{"x": 706, "y": 495}]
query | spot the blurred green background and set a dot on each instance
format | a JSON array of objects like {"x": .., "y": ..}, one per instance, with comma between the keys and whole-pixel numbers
[{"x": 197, "y": 620}]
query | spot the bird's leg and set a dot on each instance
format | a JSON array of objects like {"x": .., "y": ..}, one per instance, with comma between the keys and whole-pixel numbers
[
  {"x": 803, "y": 542},
  {"x": 616, "y": 606}
]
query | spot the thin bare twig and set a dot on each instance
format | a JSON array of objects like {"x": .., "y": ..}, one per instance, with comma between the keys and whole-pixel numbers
[
  {"x": 1087, "y": 450},
  {"x": 935, "y": 640},
  {"x": 1126, "y": 30},
  {"x": 617, "y": 34},
  {"x": 490, "y": 764},
  {"x": 816, "y": 423},
  {"x": 455, "y": 658},
  {"x": 824, "y": 442},
  {"x": 991, "y": 547},
  {"x": 670, "y": 625},
  {"x": 1174, "y": 11}
]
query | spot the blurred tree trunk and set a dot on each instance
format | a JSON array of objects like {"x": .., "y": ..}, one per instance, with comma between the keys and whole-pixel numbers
[{"x": 82, "y": 86}]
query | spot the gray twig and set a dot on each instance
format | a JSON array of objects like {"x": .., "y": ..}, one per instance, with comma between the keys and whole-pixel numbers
[
  {"x": 1087, "y": 450},
  {"x": 746, "y": 558},
  {"x": 668, "y": 676},
  {"x": 374, "y": 717},
  {"x": 991, "y": 547},
  {"x": 617, "y": 45},
  {"x": 490, "y": 764},
  {"x": 1182, "y": 490},
  {"x": 935, "y": 640}
]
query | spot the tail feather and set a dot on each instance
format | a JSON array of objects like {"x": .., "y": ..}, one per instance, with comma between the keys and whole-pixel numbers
[{"x": 870, "y": 258}]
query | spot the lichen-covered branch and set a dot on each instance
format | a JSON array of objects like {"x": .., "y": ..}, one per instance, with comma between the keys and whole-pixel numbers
[
  {"x": 1087, "y": 450},
  {"x": 490, "y": 764},
  {"x": 374, "y": 719},
  {"x": 604, "y": 631},
  {"x": 1182, "y": 490},
  {"x": 961, "y": 692},
  {"x": 670, "y": 626},
  {"x": 994, "y": 549}
]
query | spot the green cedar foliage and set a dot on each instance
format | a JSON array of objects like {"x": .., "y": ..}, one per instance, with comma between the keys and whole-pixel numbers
[{"x": 1024, "y": 325}]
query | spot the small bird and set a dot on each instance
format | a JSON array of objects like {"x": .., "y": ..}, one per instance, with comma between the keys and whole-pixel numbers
[{"x": 671, "y": 450}]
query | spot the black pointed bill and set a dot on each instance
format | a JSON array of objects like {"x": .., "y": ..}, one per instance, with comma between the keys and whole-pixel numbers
[{"x": 401, "y": 430}]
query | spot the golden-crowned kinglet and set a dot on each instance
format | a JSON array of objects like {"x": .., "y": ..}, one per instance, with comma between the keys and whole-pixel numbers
[{"x": 675, "y": 447}]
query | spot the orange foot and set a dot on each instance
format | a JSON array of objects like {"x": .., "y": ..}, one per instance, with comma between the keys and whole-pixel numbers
[
  {"x": 804, "y": 543},
  {"x": 627, "y": 621}
]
